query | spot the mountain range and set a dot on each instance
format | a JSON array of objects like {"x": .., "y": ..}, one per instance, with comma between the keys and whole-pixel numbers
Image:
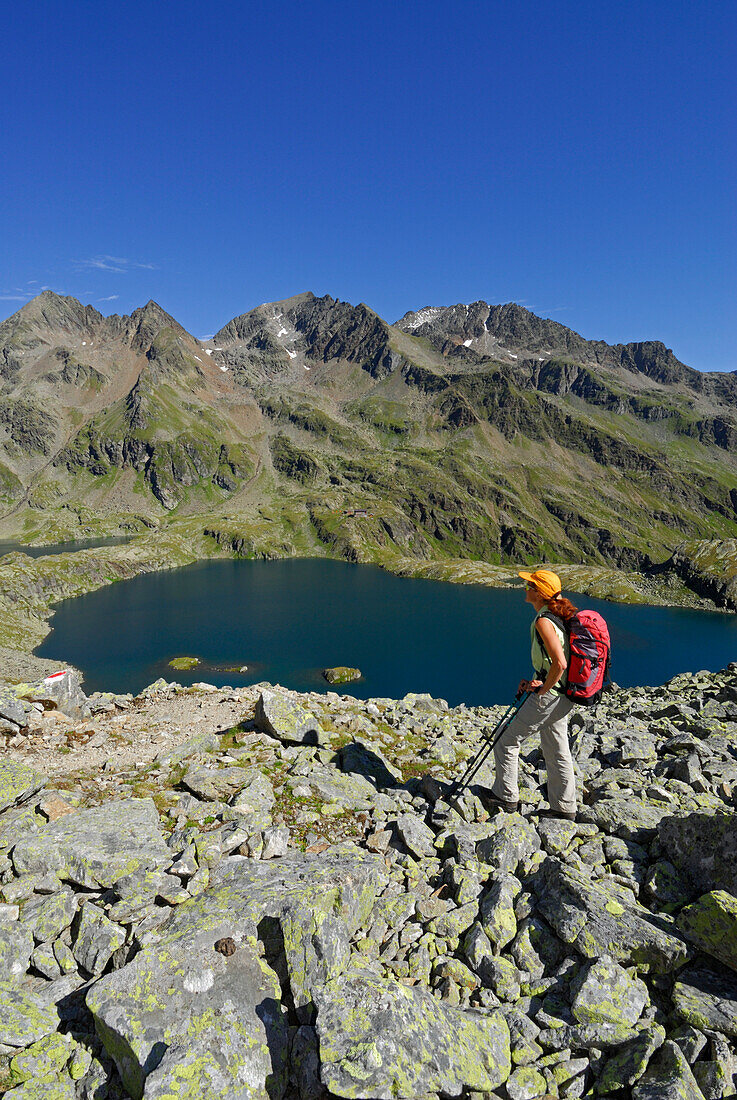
[{"x": 469, "y": 431}]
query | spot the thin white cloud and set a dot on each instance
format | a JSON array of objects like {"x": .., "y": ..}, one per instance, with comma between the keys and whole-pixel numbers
[
  {"x": 110, "y": 298},
  {"x": 118, "y": 264},
  {"x": 14, "y": 297}
]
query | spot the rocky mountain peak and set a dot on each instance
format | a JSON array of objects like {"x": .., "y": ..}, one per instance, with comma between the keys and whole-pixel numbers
[{"x": 54, "y": 312}]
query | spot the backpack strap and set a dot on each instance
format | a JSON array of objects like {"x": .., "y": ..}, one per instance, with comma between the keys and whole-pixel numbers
[{"x": 555, "y": 619}]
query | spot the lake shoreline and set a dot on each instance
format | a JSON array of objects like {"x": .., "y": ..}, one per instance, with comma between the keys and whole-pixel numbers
[{"x": 31, "y": 588}]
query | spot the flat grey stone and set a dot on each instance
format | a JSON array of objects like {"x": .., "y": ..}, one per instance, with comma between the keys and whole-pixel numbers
[
  {"x": 317, "y": 950},
  {"x": 381, "y": 1039},
  {"x": 418, "y": 838},
  {"x": 95, "y": 847}
]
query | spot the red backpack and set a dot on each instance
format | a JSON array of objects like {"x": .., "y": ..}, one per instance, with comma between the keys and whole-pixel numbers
[{"x": 590, "y": 656}]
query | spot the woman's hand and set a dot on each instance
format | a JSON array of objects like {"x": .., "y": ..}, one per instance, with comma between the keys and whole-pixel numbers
[{"x": 528, "y": 685}]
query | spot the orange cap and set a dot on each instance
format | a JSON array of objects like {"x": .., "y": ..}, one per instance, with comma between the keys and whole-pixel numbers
[{"x": 546, "y": 582}]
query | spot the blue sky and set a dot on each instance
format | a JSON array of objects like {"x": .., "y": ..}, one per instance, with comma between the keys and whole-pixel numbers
[{"x": 578, "y": 158}]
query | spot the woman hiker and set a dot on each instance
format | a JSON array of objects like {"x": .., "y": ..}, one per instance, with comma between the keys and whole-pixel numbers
[{"x": 545, "y": 710}]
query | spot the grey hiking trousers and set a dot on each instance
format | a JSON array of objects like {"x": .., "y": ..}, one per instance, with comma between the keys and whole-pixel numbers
[{"x": 548, "y": 716}]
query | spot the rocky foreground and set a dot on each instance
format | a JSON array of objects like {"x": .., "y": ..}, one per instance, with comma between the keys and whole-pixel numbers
[{"x": 285, "y": 905}]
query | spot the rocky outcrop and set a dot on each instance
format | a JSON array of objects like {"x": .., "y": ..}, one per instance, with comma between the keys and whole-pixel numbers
[
  {"x": 709, "y": 568},
  {"x": 297, "y": 916}
]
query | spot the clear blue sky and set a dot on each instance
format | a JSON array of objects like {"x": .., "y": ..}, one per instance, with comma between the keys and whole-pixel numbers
[{"x": 577, "y": 157}]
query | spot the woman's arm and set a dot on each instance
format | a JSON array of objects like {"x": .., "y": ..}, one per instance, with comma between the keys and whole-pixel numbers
[{"x": 551, "y": 641}]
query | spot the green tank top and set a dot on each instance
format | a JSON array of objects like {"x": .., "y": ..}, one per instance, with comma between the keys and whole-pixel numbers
[{"x": 541, "y": 661}]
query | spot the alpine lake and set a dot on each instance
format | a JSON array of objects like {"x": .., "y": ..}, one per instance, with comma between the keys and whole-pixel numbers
[{"x": 285, "y": 621}]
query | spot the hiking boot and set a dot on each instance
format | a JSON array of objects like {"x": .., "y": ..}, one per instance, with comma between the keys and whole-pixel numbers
[
  {"x": 492, "y": 804},
  {"x": 558, "y": 815}
]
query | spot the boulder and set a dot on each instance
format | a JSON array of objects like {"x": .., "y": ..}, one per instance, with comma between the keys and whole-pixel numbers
[
  {"x": 11, "y": 708},
  {"x": 95, "y": 847},
  {"x": 17, "y": 782},
  {"x": 587, "y": 916},
  {"x": 281, "y": 716},
  {"x": 604, "y": 995},
  {"x": 496, "y": 910},
  {"x": 381, "y": 1039},
  {"x": 342, "y": 674},
  {"x": 668, "y": 1077},
  {"x": 215, "y": 783},
  {"x": 194, "y": 1015},
  {"x": 711, "y": 923},
  {"x": 369, "y": 762},
  {"x": 61, "y": 691},
  {"x": 96, "y": 940},
  {"x": 24, "y": 1016},
  {"x": 704, "y": 848},
  {"x": 418, "y": 838},
  {"x": 184, "y": 993},
  {"x": 317, "y": 950},
  {"x": 512, "y": 841},
  {"x": 707, "y": 999},
  {"x": 629, "y": 1062}
]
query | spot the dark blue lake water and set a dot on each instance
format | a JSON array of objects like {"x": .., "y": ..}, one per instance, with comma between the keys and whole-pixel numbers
[
  {"x": 287, "y": 620},
  {"x": 7, "y": 547}
]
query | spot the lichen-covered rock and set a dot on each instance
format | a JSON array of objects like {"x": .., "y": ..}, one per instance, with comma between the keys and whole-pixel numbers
[
  {"x": 707, "y": 999},
  {"x": 95, "y": 847},
  {"x": 668, "y": 1077},
  {"x": 628, "y": 1063},
  {"x": 11, "y": 708},
  {"x": 526, "y": 1083},
  {"x": 16, "y": 948},
  {"x": 512, "y": 841},
  {"x": 96, "y": 940},
  {"x": 496, "y": 911},
  {"x": 215, "y": 783},
  {"x": 180, "y": 991},
  {"x": 588, "y": 917},
  {"x": 317, "y": 949},
  {"x": 381, "y": 1039},
  {"x": 606, "y": 996},
  {"x": 18, "y": 781},
  {"x": 49, "y": 1087},
  {"x": 711, "y": 923},
  {"x": 417, "y": 837},
  {"x": 46, "y": 1056},
  {"x": 47, "y": 917},
  {"x": 24, "y": 1016},
  {"x": 704, "y": 848},
  {"x": 281, "y": 716},
  {"x": 210, "y": 1025},
  {"x": 341, "y": 674}
]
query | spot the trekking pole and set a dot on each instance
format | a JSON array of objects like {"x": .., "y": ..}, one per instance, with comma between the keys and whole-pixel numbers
[{"x": 490, "y": 740}]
